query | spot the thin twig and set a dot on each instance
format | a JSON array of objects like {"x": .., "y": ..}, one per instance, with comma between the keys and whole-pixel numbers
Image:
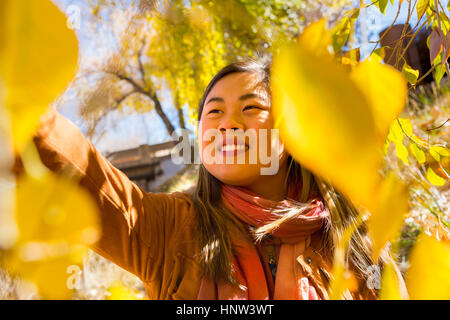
[{"x": 431, "y": 129}]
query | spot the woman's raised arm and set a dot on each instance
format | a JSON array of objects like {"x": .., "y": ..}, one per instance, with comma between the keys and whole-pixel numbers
[{"x": 134, "y": 223}]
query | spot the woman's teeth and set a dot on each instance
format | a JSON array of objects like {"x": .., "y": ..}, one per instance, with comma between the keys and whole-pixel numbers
[{"x": 232, "y": 147}]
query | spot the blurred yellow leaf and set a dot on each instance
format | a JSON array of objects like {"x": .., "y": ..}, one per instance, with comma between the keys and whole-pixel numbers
[
  {"x": 54, "y": 208},
  {"x": 428, "y": 276},
  {"x": 325, "y": 121},
  {"x": 343, "y": 280},
  {"x": 385, "y": 90},
  {"x": 49, "y": 275},
  {"x": 38, "y": 59},
  {"x": 316, "y": 38},
  {"x": 390, "y": 289},
  {"x": 119, "y": 292},
  {"x": 56, "y": 220},
  {"x": 391, "y": 205}
]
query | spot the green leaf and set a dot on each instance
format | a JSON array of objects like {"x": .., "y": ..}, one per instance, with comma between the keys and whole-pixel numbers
[
  {"x": 417, "y": 153},
  {"x": 410, "y": 74},
  {"x": 439, "y": 73},
  {"x": 382, "y": 4},
  {"x": 434, "y": 178}
]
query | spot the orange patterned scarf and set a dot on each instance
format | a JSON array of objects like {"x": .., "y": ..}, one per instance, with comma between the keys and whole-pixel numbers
[{"x": 249, "y": 269}]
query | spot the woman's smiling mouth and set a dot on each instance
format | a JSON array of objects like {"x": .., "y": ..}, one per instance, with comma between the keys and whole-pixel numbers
[{"x": 231, "y": 148}]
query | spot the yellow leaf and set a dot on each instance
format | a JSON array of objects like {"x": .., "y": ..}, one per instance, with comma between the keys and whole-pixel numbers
[
  {"x": 54, "y": 208},
  {"x": 428, "y": 276},
  {"x": 435, "y": 154},
  {"x": 390, "y": 289},
  {"x": 441, "y": 151},
  {"x": 56, "y": 220},
  {"x": 417, "y": 152},
  {"x": 118, "y": 291},
  {"x": 406, "y": 126},
  {"x": 385, "y": 89},
  {"x": 391, "y": 205},
  {"x": 378, "y": 55},
  {"x": 325, "y": 121},
  {"x": 434, "y": 178},
  {"x": 410, "y": 74},
  {"x": 402, "y": 152},
  {"x": 38, "y": 59},
  {"x": 49, "y": 275},
  {"x": 316, "y": 38}
]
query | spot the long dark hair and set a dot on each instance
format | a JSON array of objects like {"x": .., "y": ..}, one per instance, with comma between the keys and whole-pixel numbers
[{"x": 216, "y": 223}]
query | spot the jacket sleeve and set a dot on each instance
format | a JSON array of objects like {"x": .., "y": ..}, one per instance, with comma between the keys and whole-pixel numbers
[{"x": 133, "y": 222}]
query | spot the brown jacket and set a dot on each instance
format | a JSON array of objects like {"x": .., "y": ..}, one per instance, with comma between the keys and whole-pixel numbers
[{"x": 150, "y": 235}]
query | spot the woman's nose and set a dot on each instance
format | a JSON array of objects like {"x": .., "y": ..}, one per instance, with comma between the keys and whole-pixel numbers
[{"x": 231, "y": 123}]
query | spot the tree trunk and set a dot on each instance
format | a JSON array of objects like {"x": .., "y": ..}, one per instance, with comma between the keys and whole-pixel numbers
[{"x": 170, "y": 128}]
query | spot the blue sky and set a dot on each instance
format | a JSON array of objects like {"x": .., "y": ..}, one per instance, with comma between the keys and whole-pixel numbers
[{"x": 131, "y": 129}]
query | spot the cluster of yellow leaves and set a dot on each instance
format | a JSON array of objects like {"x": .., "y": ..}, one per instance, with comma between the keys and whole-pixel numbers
[
  {"x": 435, "y": 157},
  {"x": 196, "y": 43},
  {"x": 54, "y": 218},
  {"x": 334, "y": 120}
]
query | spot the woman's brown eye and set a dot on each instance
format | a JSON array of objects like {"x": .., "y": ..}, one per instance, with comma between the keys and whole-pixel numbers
[
  {"x": 214, "y": 111},
  {"x": 251, "y": 107}
]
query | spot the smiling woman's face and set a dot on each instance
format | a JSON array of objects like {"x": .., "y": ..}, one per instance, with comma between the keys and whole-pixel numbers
[{"x": 238, "y": 101}]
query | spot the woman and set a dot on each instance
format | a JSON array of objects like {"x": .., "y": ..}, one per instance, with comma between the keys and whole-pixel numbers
[{"x": 240, "y": 234}]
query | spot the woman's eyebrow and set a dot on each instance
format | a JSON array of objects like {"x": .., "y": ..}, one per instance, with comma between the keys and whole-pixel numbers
[
  {"x": 242, "y": 98},
  {"x": 250, "y": 96},
  {"x": 218, "y": 99}
]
